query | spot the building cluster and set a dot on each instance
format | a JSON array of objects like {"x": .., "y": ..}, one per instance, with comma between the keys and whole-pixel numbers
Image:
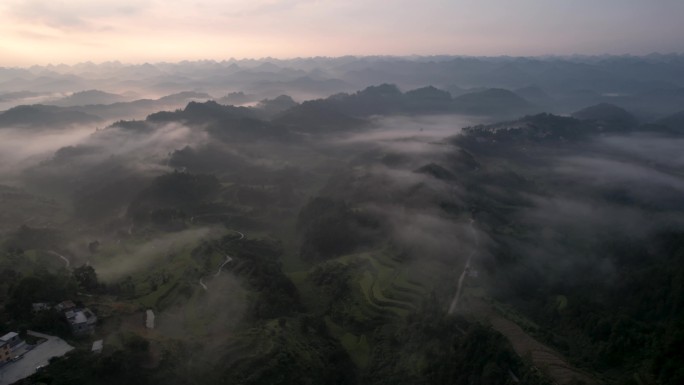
[
  {"x": 81, "y": 320},
  {"x": 9, "y": 343}
]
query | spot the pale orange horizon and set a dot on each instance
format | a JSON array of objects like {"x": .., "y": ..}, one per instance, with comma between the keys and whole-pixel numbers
[{"x": 39, "y": 32}]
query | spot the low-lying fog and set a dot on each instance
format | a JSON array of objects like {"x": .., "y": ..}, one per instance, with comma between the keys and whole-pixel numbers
[{"x": 22, "y": 148}]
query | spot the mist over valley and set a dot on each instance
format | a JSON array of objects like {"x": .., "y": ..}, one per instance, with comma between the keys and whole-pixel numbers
[{"x": 345, "y": 220}]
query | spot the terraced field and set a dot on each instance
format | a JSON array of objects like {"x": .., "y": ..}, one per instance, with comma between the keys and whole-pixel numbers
[
  {"x": 544, "y": 358},
  {"x": 381, "y": 289}
]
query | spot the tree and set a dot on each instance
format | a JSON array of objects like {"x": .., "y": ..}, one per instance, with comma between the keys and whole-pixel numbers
[{"x": 86, "y": 277}]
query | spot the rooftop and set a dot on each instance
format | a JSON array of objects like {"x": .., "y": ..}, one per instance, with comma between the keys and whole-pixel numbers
[
  {"x": 65, "y": 305},
  {"x": 79, "y": 317},
  {"x": 8, "y": 336},
  {"x": 149, "y": 319},
  {"x": 97, "y": 346}
]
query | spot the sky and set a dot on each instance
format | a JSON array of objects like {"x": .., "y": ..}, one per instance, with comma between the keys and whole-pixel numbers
[{"x": 136, "y": 31}]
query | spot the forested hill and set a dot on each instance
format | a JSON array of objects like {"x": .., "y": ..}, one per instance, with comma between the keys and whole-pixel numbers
[{"x": 372, "y": 237}]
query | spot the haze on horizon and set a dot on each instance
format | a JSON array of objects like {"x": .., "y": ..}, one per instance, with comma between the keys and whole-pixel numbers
[{"x": 72, "y": 31}]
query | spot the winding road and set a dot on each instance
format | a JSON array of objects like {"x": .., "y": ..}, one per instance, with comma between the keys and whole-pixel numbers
[
  {"x": 461, "y": 279},
  {"x": 65, "y": 259},
  {"x": 555, "y": 366},
  {"x": 220, "y": 268},
  {"x": 228, "y": 259}
]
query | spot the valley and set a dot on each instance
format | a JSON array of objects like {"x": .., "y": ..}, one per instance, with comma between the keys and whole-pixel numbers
[{"x": 384, "y": 235}]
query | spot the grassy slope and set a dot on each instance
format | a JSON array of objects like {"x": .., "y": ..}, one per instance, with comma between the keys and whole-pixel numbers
[{"x": 380, "y": 288}]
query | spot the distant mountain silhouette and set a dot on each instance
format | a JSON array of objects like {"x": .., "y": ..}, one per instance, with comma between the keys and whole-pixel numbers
[
  {"x": 608, "y": 114},
  {"x": 650, "y": 87},
  {"x": 89, "y": 97},
  {"x": 532, "y": 128},
  {"x": 343, "y": 110},
  {"x": 272, "y": 107},
  {"x": 374, "y": 100},
  {"x": 317, "y": 116},
  {"x": 492, "y": 102},
  {"x": 428, "y": 99},
  {"x": 306, "y": 83},
  {"x": 455, "y": 90},
  {"x": 532, "y": 93},
  {"x": 387, "y": 99},
  {"x": 428, "y": 93},
  {"x": 42, "y": 116},
  {"x": 9, "y": 96},
  {"x": 535, "y": 95},
  {"x": 196, "y": 112},
  {"x": 236, "y": 98},
  {"x": 660, "y": 102},
  {"x": 142, "y": 107},
  {"x": 266, "y": 67},
  {"x": 673, "y": 123},
  {"x": 223, "y": 122},
  {"x": 184, "y": 97}
]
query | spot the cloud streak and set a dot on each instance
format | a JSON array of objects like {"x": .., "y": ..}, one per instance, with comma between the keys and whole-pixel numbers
[{"x": 74, "y": 14}]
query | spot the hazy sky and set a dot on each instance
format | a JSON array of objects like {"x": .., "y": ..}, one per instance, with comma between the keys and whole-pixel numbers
[{"x": 70, "y": 31}]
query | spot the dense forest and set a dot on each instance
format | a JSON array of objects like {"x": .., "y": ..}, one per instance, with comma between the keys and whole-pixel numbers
[{"x": 376, "y": 236}]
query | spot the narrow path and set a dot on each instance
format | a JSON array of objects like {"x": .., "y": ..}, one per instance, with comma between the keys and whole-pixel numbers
[
  {"x": 545, "y": 359},
  {"x": 461, "y": 279},
  {"x": 228, "y": 259},
  {"x": 65, "y": 259},
  {"x": 220, "y": 268}
]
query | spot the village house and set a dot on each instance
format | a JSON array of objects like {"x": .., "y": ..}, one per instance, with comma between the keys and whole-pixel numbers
[
  {"x": 65, "y": 305},
  {"x": 81, "y": 321},
  {"x": 5, "y": 353},
  {"x": 8, "y": 344},
  {"x": 40, "y": 306}
]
